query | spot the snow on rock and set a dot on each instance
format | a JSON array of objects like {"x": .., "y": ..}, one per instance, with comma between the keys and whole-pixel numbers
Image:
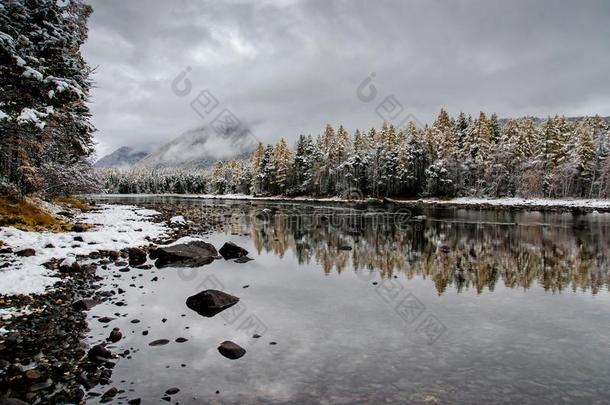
[
  {"x": 114, "y": 227},
  {"x": 8, "y": 313},
  {"x": 179, "y": 219},
  {"x": 3, "y": 115}
]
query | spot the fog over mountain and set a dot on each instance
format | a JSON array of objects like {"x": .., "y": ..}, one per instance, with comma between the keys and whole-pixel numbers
[
  {"x": 120, "y": 158},
  {"x": 199, "y": 148}
]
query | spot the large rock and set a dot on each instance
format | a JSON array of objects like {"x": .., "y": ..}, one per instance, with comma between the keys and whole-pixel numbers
[
  {"x": 137, "y": 256},
  {"x": 99, "y": 353},
  {"x": 26, "y": 252},
  {"x": 192, "y": 254},
  {"x": 231, "y": 251},
  {"x": 210, "y": 302},
  {"x": 85, "y": 304},
  {"x": 231, "y": 350}
]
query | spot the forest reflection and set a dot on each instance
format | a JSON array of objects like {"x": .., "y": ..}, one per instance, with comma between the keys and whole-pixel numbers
[{"x": 459, "y": 249}]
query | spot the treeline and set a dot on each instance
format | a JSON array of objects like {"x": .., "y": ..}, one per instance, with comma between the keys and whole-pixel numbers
[
  {"x": 44, "y": 85},
  {"x": 461, "y": 156},
  {"x": 231, "y": 177},
  {"x": 454, "y": 157}
]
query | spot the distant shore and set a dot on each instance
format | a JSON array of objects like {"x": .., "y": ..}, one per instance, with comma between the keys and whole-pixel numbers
[{"x": 515, "y": 203}]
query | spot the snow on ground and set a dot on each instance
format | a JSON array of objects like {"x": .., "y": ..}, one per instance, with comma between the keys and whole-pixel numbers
[
  {"x": 222, "y": 197},
  {"x": 505, "y": 202},
  {"x": 525, "y": 202},
  {"x": 115, "y": 227}
]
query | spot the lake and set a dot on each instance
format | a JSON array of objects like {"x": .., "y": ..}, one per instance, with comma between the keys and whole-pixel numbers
[{"x": 372, "y": 305}]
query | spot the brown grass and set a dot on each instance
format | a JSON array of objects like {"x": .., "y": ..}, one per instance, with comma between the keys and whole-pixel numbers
[
  {"x": 72, "y": 202},
  {"x": 25, "y": 215}
]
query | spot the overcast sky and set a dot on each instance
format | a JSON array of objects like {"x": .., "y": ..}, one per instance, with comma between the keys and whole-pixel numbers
[{"x": 288, "y": 67}]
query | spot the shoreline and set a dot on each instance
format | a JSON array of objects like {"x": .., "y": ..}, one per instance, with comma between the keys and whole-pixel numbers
[
  {"x": 510, "y": 203},
  {"x": 45, "y": 296}
]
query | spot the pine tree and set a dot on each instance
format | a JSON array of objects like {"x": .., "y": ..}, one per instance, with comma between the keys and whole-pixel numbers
[
  {"x": 265, "y": 173},
  {"x": 357, "y": 164},
  {"x": 478, "y": 139},
  {"x": 585, "y": 155},
  {"x": 494, "y": 128},
  {"x": 443, "y": 135},
  {"x": 256, "y": 161},
  {"x": 304, "y": 160},
  {"x": 280, "y": 161},
  {"x": 44, "y": 85},
  {"x": 549, "y": 144},
  {"x": 461, "y": 130}
]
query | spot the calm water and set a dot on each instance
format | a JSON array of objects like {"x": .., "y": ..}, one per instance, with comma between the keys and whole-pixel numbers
[{"x": 444, "y": 306}]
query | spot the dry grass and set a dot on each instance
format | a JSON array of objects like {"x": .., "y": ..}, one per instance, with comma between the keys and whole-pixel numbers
[
  {"x": 25, "y": 215},
  {"x": 72, "y": 202}
]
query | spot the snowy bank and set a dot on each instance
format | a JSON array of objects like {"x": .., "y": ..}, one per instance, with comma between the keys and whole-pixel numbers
[
  {"x": 532, "y": 203},
  {"x": 114, "y": 227}
]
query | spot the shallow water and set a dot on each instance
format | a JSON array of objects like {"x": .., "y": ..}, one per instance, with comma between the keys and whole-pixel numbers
[{"x": 439, "y": 306}]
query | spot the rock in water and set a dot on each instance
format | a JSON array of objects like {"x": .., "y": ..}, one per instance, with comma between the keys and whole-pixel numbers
[
  {"x": 210, "y": 302},
  {"x": 192, "y": 254},
  {"x": 85, "y": 304},
  {"x": 159, "y": 342},
  {"x": 115, "y": 335},
  {"x": 137, "y": 256},
  {"x": 99, "y": 352},
  {"x": 231, "y": 350},
  {"x": 231, "y": 251},
  {"x": 108, "y": 395}
]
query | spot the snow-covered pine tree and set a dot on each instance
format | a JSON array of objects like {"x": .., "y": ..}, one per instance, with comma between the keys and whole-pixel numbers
[
  {"x": 255, "y": 162},
  {"x": 44, "y": 84},
  {"x": 460, "y": 130},
  {"x": 265, "y": 173},
  {"x": 495, "y": 129},
  {"x": 584, "y": 155},
  {"x": 303, "y": 166},
  {"x": 413, "y": 162},
  {"x": 358, "y": 162},
  {"x": 339, "y": 152},
  {"x": 478, "y": 139},
  {"x": 281, "y": 157},
  {"x": 443, "y": 135}
]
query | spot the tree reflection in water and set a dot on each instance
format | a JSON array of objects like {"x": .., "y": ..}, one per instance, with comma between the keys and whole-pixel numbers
[{"x": 453, "y": 248}]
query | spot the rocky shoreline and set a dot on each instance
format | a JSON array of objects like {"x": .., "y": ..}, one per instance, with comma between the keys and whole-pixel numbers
[{"x": 43, "y": 354}]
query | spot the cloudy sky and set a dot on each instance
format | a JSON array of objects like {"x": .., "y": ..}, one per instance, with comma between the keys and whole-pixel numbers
[{"x": 288, "y": 67}]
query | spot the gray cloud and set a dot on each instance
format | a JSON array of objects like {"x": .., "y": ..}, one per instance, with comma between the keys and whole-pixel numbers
[{"x": 288, "y": 67}]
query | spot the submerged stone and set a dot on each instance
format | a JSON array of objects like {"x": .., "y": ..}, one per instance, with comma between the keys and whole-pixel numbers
[
  {"x": 231, "y": 350},
  {"x": 192, "y": 254},
  {"x": 210, "y": 302}
]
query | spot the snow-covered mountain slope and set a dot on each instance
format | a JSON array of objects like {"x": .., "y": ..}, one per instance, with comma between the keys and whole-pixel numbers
[
  {"x": 121, "y": 158},
  {"x": 199, "y": 148}
]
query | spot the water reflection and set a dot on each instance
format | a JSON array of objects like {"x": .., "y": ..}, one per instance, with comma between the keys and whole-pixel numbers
[
  {"x": 467, "y": 252},
  {"x": 453, "y": 248},
  {"x": 343, "y": 337}
]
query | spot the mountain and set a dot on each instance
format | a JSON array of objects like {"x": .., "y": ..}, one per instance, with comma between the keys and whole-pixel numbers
[
  {"x": 122, "y": 157},
  {"x": 200, "y": 148}
]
